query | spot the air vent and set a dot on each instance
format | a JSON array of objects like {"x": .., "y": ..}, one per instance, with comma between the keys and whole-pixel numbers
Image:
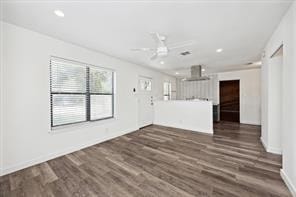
[{"x": 185, "y": 53}]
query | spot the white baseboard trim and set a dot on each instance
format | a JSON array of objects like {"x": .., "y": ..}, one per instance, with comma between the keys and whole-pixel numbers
[
  {"x": 270, "y": 149},
  {"x": 205, "y": 131},
  {"x": 274, "y": 150},
  {"x": 263, "y": 143},
  {"x": 288, "y": 182},
  {"x": 50, "y": 156},
  {"x": 250, "y": 123}
]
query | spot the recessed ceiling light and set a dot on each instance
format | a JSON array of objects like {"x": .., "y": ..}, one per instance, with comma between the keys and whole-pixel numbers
[
  {"x": 177, "y": 73},
  {"x": 203, "y": 70},
  {"x": 161, "y": 62},
  {"x": 219, "y": 50},
  {"x": 59, "y": 13}
]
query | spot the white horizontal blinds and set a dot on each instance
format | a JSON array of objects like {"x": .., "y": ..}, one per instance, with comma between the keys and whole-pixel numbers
[
  {"x": 68, "y": 109},
  {"x": 101, "y": 93},
  {"x": 101, "y": 107},
  {"x": 67, "y": 77},
  {"x": 68, "y": 92},
  {"x": 80, "y": 92},
  {"x": 167, "y": 91},
  {"x": 101, "y": 81}
]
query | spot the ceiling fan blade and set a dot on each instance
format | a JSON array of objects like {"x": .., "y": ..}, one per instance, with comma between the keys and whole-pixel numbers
[
  {"x": 181, "y": 45},
  {"x": 143, "y": 49},
  {"x": 158, "y": 38}
]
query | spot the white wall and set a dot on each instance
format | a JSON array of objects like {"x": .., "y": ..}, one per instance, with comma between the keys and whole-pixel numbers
[
  {"x": 264, "y": 103},
  {"x": 1, "y": 95},
  {"x": 250, "y": 94},
  {"x": 26, "y": 106},
  {"x": 272, "y": 140},
  {"x": 285, "y": 34},
  {"x": 190, "y": 115}
]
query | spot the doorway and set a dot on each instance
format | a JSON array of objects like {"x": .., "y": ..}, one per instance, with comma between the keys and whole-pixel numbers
[{"x": 230, "y": 101}]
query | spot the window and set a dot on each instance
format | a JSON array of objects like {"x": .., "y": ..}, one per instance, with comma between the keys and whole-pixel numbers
[
  {"x": 145, "y": 84},
  {"x": 80, "y": 92},
  {"x": 167, "y": 91},
  {"x": 101, "y": 93}
]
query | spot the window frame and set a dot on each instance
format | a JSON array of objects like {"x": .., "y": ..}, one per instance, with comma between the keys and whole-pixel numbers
[
  {"x": 169, "y": 95},
  {"x": 145, "y": 79},
  {"x": 87, "y": 93},
  {"x": 89, "y": 99}
]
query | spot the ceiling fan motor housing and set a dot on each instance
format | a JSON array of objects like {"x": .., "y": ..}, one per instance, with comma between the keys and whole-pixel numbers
[{"x": 162, "y": 51}]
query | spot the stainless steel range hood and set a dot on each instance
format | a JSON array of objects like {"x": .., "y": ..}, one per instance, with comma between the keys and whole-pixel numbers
[{"x": 196, "y": 74}]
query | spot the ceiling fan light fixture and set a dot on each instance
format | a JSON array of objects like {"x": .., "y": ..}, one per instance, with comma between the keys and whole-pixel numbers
[
  {"x": 219, "y": 50},
  {"x": 162, "y": 50},
  {"x": 59, "y": 13}
]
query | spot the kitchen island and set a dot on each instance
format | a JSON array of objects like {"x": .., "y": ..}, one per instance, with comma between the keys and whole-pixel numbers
[{"x": 195, "y": 115}]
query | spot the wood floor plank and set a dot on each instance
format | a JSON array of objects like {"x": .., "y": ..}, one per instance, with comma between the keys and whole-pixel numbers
[{"x": 159, "y": 161}]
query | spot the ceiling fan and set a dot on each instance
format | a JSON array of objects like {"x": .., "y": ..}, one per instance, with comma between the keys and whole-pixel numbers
[{"x": 162, "y": 50}]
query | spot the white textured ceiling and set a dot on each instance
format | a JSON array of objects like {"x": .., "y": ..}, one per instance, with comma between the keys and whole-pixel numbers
[{"x": 241, "y": 28}]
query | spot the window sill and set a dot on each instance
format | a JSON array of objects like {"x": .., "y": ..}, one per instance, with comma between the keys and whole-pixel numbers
[{"x": 80, "y": 125}]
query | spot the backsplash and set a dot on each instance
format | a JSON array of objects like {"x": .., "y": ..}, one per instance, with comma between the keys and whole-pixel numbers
[{"x": 206, "y": 89}]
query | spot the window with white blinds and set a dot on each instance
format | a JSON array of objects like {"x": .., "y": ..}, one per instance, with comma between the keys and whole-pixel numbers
[
  {"x": 80, "y": 92},
  {"x": 167, "y": 91}
]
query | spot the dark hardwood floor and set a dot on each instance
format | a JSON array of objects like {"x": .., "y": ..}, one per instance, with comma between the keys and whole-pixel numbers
[{"x": 159, "y": 161}]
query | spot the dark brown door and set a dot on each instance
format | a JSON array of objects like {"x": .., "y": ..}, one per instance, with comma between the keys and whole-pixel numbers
[{"x": 229, "y": 100}]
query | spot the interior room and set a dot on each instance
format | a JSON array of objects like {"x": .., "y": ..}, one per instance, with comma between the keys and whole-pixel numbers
[{"x": 148, "y": 98}]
